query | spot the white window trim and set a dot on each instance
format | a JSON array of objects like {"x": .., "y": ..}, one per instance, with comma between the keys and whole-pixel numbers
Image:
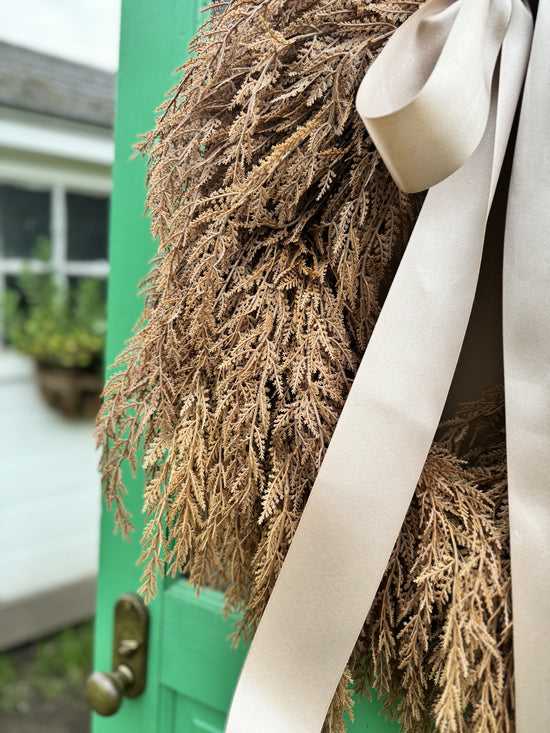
[
  {"x": 58, "y": 233},
  {"x": 71, "y": 268},
  {"x": 39, "y": 134}
]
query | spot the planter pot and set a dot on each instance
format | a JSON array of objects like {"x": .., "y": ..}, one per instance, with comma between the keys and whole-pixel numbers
[{"x": 74, "y": 392}]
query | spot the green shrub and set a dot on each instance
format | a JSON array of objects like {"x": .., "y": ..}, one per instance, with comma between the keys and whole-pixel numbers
[
  {"x": 55, "y": 323},
  {"x": 54, "y": 668}
]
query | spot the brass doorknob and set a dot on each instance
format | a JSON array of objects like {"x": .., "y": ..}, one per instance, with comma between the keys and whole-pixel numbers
[{"x": 104, "y": 690}]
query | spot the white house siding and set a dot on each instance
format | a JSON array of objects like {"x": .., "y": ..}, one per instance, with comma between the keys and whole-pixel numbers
[{"x": 49, "y": 499}]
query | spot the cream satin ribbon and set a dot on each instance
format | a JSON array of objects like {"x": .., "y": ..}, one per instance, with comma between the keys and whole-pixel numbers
[{"x": 439, "y": 104}]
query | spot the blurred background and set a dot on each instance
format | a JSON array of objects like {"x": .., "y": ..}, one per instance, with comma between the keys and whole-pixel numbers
[{"x": 58, "y": 63}]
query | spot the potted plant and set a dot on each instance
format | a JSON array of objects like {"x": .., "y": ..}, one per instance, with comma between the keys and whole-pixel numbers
[{"x": 62, "y": 326}]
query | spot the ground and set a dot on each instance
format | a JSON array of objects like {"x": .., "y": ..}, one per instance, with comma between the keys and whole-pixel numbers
[{"x": 41, "y": 684}]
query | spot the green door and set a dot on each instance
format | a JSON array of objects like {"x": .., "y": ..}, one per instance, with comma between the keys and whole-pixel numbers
[{"x": 192, "y": 670}]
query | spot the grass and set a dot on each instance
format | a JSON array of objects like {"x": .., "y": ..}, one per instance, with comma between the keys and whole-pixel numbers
[{"x": 48, "y": 670}]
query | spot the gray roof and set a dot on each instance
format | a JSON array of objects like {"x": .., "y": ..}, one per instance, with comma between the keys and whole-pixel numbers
[{"x": 49, "y": 85}]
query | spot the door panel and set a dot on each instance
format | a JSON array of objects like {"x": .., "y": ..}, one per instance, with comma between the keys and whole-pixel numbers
[
  {"x": 202, "y": 665},
  {"x": 198, "y": 672},
  {"x": 180, "y": 713},
  {"x": 192, "y": 670}
]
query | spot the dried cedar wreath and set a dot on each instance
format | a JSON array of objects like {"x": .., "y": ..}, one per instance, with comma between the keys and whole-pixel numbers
[{"x": 279, "y": 230}]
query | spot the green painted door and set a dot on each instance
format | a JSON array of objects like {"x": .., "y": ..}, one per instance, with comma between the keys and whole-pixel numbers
[{"x": 191, "y": 670}]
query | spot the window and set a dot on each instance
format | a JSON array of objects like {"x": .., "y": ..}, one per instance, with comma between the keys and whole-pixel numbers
[
  {"x": 87, "y": 236},
  {"x": 76, "y": 224},
  {"x": 24, "y": 218}
]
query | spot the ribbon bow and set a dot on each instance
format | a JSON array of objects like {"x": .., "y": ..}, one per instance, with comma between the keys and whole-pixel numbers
[{"x": 439, "y": 103}]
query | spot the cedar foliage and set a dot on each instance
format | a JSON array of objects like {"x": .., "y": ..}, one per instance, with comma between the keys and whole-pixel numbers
[{"x": 279, "y": 230}]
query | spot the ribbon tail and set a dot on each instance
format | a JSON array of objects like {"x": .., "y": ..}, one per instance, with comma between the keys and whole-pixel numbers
[{"x": 526, "y": 310}]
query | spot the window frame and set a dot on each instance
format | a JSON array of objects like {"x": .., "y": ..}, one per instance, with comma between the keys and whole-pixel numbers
[{"x": 60, "y": 265}]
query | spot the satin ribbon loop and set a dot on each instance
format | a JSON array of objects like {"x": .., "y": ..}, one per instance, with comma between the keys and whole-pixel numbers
[{"x": 425, "y": 100}]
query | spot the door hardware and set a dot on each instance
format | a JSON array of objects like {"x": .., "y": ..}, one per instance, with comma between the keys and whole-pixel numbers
[{"x": 105, "y": 690}]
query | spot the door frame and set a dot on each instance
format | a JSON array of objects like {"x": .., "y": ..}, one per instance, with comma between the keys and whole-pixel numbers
[{"x": 154, "y": 37}]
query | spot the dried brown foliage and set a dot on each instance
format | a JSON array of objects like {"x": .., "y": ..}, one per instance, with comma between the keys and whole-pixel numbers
[
  {"x": 438, "y": 640},
  {"x": 279, "y": 230}
]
